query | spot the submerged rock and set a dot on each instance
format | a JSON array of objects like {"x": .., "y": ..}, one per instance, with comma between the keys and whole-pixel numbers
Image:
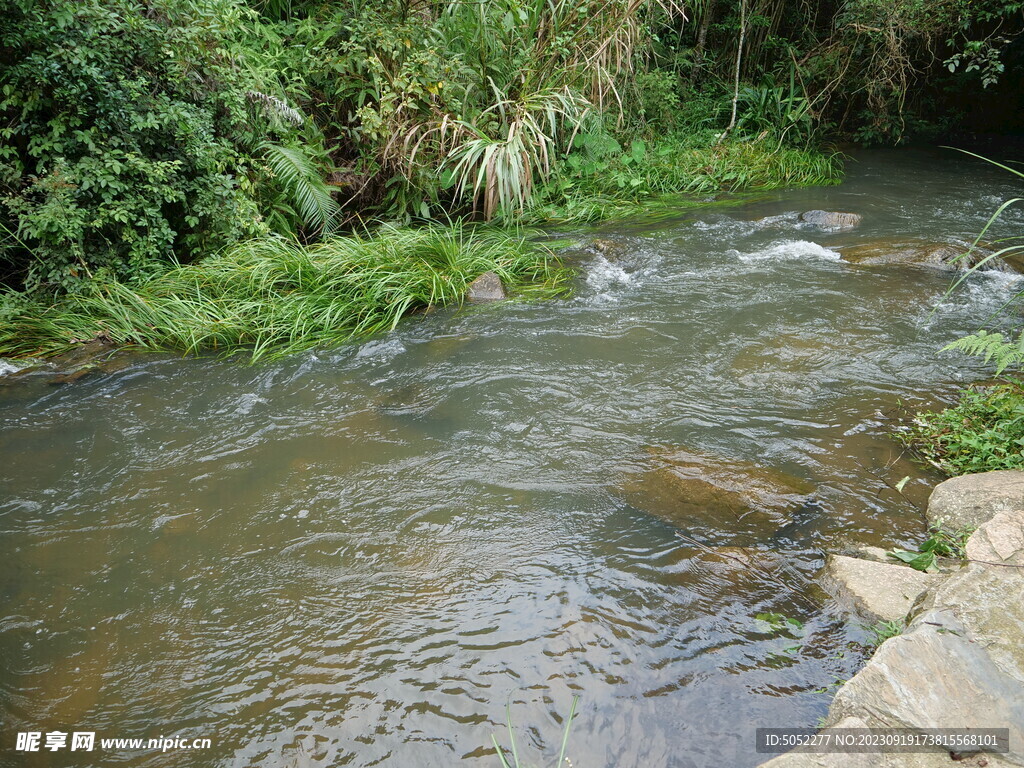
[
  {"x": 1014, "y": 262},
  {"x": 487, "y": 287},
  {"x": 98, "y": 355},
  {"x": 879, "y": 590},
  {"x": 710, "y": 495},
  {"x": 918, "y": 253},
  {"x": 12, "y": 369},
  {"x": 833, "y": 221},
  {"x": 971, "y": 500},
  {"x": 610, "y": 249},
  {"x": 716, "y": 573},
  {"x": 788, "y": 353}
]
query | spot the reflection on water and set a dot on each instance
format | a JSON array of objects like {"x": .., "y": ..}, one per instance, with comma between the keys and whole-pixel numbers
[{"x": 356, "y": 557}]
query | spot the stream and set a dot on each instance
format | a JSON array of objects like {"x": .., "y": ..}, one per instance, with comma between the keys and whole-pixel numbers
[{"x": 359, "y": 556}]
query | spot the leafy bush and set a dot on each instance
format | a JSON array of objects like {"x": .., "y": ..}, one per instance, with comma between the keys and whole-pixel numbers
[
  {"x": 125, "y": 135},
  {"x": 469, "y": 107},
  {"x": 984, "y": 431},
  {"x": 778, "y": 110}
]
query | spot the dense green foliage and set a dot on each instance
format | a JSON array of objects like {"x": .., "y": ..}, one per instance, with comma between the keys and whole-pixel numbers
[
  {"x": 272, "y": 295},
  {"x": 142, "y": 135},
  {"x": 984, "y": 431},
  {"x": 606, "y": 177},
  {"x": 125, "y": 137}
]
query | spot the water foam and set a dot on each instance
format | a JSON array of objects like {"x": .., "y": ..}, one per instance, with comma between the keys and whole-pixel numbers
[
  {"x": 13, "y": 366},
  {"x": 381, "y": 350},
  {"x": 603, "y": 274},
  {"x": 788, "y": 250}
]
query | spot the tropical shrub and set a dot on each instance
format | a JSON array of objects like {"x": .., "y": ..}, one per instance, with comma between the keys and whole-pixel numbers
[{"x": 126, "y": 135}]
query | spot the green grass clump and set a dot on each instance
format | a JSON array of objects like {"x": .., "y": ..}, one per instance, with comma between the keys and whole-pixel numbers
[
  {"x": 274, "y": 296},
  {"x": 608, "y": 180},
  {"x": 983, "y": 432},
  {"x": 884, "y": 630}
]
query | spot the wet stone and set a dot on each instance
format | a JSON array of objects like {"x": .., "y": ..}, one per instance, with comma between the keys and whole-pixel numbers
[
  {"x": 831, "y": 221},
  {"x": 879, "y": 590},
  {"x": 917, "y": 253},
  {"x": 487, "y": 287},
  {"x": 610, "y": 249}
]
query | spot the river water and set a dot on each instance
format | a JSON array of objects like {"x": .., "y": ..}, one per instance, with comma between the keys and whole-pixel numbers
[{"x": 358, "y": 557}]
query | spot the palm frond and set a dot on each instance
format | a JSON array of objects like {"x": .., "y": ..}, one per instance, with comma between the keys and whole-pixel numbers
[{"x": 310, "y": 195}]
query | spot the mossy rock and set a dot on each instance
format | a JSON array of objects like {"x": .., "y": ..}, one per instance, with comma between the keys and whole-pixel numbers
[
  {"x": 610, "y": 249},
  {"x": 918, "y": 253}
]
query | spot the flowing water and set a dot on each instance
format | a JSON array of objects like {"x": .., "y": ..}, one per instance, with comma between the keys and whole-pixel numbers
[{"x": 357, "y": 557}]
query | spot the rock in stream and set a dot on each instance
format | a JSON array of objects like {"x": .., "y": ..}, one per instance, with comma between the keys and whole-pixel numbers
[
  {"x": 710, "y": 496},
  {"x": 960, "y": 661}
]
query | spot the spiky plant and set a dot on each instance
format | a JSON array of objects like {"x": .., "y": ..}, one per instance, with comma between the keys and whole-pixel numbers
[{"x": 503, "y": 170}]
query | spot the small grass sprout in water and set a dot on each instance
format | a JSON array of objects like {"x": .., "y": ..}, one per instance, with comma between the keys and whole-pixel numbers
[
  {"x": 940, "y": 543},
  {"x": 883, "y": 630},
  {"x": 515, "y": 761}
]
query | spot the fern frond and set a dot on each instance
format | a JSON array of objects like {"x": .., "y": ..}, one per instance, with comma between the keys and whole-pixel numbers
[
  {"x": 310, "y": 195},
  {"x": 992, "y": 347},
  {"x": 277, "y": 107}
]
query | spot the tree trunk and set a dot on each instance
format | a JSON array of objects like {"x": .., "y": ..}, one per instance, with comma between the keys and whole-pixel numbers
[
  {"x": 739, "y": 65},
  {"x": 702, "y": 37}
]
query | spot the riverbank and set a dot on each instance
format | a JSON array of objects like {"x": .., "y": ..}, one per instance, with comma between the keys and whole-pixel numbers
[
  {"x": 959, "y": 661},
  {"x": 273, "y": 295}
]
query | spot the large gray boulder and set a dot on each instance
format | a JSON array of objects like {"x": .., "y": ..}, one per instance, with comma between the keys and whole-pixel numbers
[
  {"x": 878, "y": 591},
  {"x": 831, "y": 221},
  {"x": 487, "y": 287},
  {"x": 988, "y": 601},
  {"x": 970, "y": 500},
  {"x": 938, "y": 674}
]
